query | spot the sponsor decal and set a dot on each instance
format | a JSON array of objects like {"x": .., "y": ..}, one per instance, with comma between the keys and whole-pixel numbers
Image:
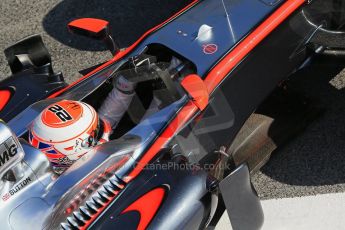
[
  {"x": 65, "y": 161},
  {"x": 209, "y": 48},
  {"x": 16, "y": 188},
  {"x": 8, "y": 150}
]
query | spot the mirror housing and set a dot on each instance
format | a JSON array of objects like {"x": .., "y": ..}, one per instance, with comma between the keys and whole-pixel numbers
[{"x": 94, "y": 28}]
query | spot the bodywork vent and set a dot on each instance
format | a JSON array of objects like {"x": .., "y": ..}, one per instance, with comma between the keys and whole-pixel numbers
[{"x": 94, "y": 204}]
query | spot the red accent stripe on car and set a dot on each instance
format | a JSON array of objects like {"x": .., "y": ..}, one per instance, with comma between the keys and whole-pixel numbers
[
  {"x": 123, "y": 53},
  {"x": 5, "y": 96},
  {"x": 147, "y": 205},
  {"x": 230, "y": 61}
]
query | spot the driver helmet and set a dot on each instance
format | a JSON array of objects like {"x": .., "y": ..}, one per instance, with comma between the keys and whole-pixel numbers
[{"x": 66, "y": 130}]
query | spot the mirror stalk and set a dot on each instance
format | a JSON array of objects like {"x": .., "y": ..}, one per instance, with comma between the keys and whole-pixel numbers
[{"x": 112, "y": 45}]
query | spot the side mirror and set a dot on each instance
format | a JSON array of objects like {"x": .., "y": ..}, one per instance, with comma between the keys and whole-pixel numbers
[{"x": 94, "y": 28}]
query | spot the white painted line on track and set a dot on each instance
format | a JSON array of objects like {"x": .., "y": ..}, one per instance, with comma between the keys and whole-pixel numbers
[{"x": 320, "y": 212}]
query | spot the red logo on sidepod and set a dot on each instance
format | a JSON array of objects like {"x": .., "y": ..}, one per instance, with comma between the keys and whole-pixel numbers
[{"x": 147, "y": 206}]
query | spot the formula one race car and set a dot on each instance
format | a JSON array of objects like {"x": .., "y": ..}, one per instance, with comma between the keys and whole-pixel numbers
[{"x": 165, "y": 134}]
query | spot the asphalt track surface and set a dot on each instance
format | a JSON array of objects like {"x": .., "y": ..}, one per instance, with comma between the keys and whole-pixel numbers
[{"x": 312, "y": 163}]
